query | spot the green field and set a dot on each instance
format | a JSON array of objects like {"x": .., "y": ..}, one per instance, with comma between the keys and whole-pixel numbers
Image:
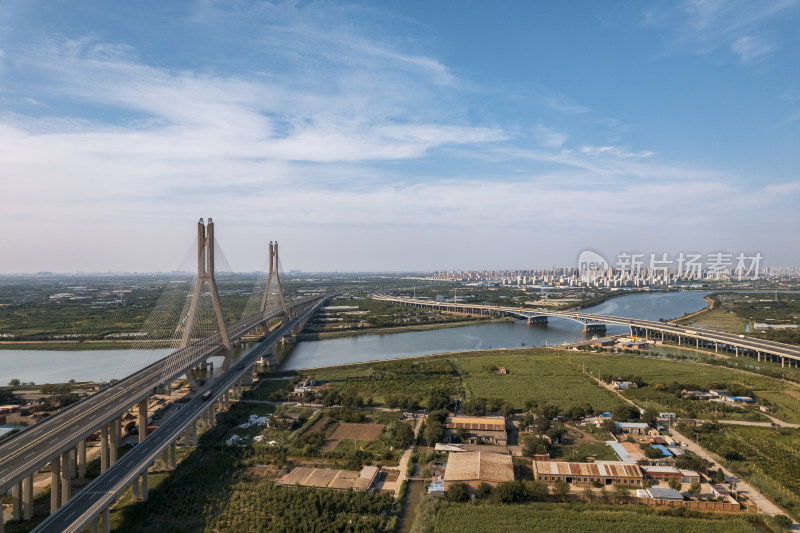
[
  {"x": 783, "y": 398},
  {"x": 538, "y": 375},
  {"x": 553, "y": 518},
  {"x": 411, "y": 380}
]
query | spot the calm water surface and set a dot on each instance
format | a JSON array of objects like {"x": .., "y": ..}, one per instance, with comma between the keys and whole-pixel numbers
[
  {"x": 52, "y": 366},
  {"x": 487, "y": 336}
]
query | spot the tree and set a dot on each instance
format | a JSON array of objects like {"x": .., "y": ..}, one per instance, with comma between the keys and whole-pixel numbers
[
  {"x": 782, "y": 521},
  {"x": 461, "y": 435},
  {"x": 541, "y": 424},
  {"x": 690, "y": 461},
  {"x": 536, "y": 490},
  {"x": 650, "y": 452},
  {"x": 535, "y": 445},
  {"x": 621, "y": 493},
  {"x": 506, "y": 410},
  {"x": 458, "y": 492},
  {"x": 434, "y": 432},
  {"x": 675, "y": 483},
  {"x": 14, "y": 382},
  {"x": 650, "y": 416},
  {"x": 511, "y": 492},
  {"x": 483, "y": 491},
  {"x": 694, "y": 488},
  {"x": 719, "y": 476},
  {"x": 625, "y": 412},
  {"x": 560, "y": 490},
  {"x": 439, "y": 399},
  {"x": 588, "y": 493}
]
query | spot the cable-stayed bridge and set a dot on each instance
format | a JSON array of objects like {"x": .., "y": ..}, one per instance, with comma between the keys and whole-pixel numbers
[{"x": 60, "y": 440}]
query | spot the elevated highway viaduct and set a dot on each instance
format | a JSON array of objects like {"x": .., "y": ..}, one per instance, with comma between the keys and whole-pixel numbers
[
  {"x": 90, "y": 507},
  {"x": 739, "y": 345},
  {"x": 61, "y": 439}
]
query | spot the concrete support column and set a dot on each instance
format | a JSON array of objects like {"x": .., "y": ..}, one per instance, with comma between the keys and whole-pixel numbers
[
  {"x": 27, "y": 498},
  {"x": 165, "y": 458},
  {"x": 174, "y": 453},
  {"x": 73, "y": 463},
  {"x": 66, "y": 493},
  {"x": 107, "y": 520},
  {"x": 783, "y": 362},
  {"x": 758, "y": 354},
  {"x": 103, "y": 449},
  {"x": 716, "y": 347},
  {"x": 82, "y": 459},
  {"x": 135, "y": 488},
  {"x": 142, "y": 420},
  {"x": 55, "y": 484},
  {"x": 737, "y": 350},
  {"x": 94, "y": 525},
  {"x": 16, "y": 496},
  {"x": 194, "y": 433},
  {"x": 145, "y": 489},
  {"x": 116, "y": 433}
]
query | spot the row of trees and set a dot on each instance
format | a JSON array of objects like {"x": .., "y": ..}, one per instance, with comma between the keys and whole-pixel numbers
[{"x": 511, "y": 492}]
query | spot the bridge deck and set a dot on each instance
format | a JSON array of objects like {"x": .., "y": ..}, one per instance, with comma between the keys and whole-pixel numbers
[
  {"x": 102, "y": 491},
  {"x": 29, "y": 450},
  {"x": 728, "y": 339}
]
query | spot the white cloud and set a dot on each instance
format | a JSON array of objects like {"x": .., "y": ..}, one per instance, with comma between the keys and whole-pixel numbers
[
  {"x": 549, "y": 138},
  {"x": 740, "y": 26},
  {"x": 615, "y": 151},
  {"x": 751, "y": 48}
]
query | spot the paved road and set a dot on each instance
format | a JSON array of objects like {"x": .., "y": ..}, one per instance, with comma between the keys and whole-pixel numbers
[
  {"x": 30, "y": 450},
  {"x": 103, "y": 490}
]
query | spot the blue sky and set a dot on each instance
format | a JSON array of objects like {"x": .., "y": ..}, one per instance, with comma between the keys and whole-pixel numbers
[{"x": 396, "y": 135}]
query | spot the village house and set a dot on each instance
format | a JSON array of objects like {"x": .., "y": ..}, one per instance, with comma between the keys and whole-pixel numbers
[
  {"x": 474, "y": 468},
  {"x": 605, "y": 473},
  {"x": 487, "y": 429}
]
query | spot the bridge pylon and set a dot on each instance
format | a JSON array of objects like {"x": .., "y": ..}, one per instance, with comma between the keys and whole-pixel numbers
[
  {"x": 205, "y": 276},
  {"x": 275, "y": 278}
]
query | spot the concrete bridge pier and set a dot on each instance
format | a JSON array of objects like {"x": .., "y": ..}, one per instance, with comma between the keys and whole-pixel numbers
[
  {"x": 194, "y": 433},
  {"x": 142, "y": 420},
  {"x": 27, "y": 498},
  {"x": 55, "y": 484},
  {"x": 248, "y": 376},
  {"x": 81, "y": 459},
  {"x": 107, "y": 520},
  {"x": 66, "y": 487},
  {"x": 173, "y": 453},
  {"x": 113, "y": 443},
  {"x": 145, "y": 489},
  {"x": 16, "y": 496},
  {"x": 103, "y": 448}
]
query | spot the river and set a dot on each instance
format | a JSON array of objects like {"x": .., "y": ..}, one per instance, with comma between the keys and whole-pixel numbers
[{"x": 53, "y": 366}]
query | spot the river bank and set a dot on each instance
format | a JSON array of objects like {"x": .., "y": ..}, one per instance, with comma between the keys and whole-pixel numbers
[{"x": 323, "y": 335}]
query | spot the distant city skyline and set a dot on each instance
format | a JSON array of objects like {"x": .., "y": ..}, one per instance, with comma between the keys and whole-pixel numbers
[{"x": 405, "y": 136}]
